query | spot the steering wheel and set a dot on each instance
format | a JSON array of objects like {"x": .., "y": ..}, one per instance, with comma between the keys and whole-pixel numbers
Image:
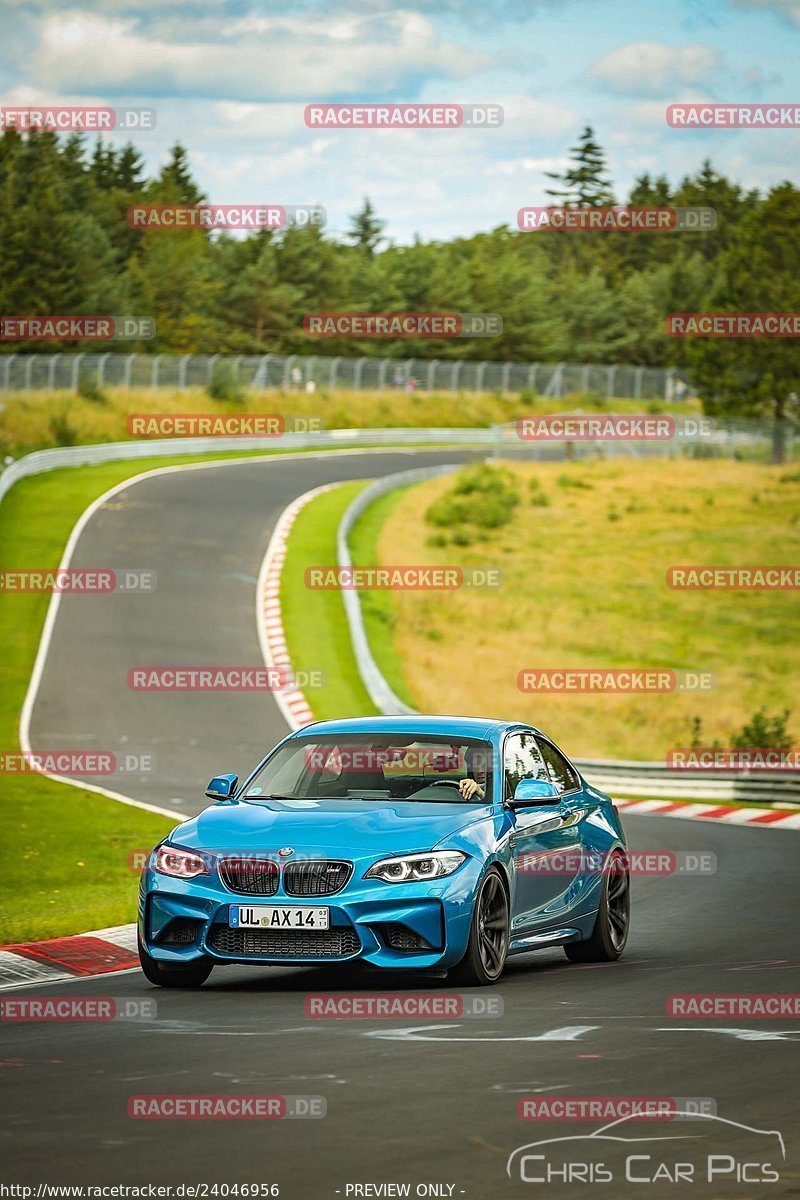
[{"x": 445, "y": 783}]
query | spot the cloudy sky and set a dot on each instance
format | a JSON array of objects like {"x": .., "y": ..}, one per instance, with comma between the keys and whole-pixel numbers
[{"x": 230, "y": 79}]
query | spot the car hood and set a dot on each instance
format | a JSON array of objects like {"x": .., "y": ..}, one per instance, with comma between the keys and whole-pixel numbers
[{"x": 327, "y": 826}]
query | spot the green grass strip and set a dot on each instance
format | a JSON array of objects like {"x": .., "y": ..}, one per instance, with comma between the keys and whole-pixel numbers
[
  {"x": 378, "y": 607},
  {"x": 314, "y": 622}
]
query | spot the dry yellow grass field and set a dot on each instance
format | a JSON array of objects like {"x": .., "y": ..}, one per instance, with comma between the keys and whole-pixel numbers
[
  {"x": 37, "y": 419},
  {"x": 584, "y": 586}
]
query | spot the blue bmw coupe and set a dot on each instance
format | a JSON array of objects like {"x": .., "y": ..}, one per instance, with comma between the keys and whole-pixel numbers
[{"x": 418, "y": 843}]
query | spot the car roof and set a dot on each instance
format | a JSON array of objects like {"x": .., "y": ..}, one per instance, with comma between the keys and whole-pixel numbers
[{"x": 476, "y": 727}]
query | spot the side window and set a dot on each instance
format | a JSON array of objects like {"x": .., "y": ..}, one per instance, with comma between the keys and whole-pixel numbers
[
  {"x": 521, "y": 760},
  {"x": 561, "y": 773}
]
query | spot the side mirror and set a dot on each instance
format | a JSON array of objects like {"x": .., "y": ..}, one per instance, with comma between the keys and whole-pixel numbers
[
  {"x": 534, "y": 791},
  {"x": 222, "y": 787}
]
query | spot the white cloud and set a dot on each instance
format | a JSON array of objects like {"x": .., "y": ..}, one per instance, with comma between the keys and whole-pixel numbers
[
  {"x": 511, "y": 167},
  {"x": 654, "y": 68},
  {"x": 652, "y": 114},
  {"x": 538, "y": 120},
  {"x": 263, "y": 58}
]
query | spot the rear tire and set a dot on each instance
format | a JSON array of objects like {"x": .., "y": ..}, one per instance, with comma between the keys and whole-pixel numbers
[
  {"x": 181, "y": 975},
  {"x": 483, "y": 963},
  {"x": 610, "y": 931}
]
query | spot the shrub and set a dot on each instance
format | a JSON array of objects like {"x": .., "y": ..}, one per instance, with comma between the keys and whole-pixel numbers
[
  {"x": 574, "y": 481},
  {"x": 62, "y": 430},
  {"x": 224, "y": 387},
  {"x": 89, "y": 389},
  {"x": 761, "y": 732},
  {"x": 482, "y": 496},
  {"x": 764, "y": 732}
]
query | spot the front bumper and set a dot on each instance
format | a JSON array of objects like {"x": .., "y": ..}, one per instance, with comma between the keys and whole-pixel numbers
[{"x": 416, "y": 926}]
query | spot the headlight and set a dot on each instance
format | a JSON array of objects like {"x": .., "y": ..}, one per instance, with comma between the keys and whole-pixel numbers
[
  {"x": 182, "y": 864},
  {"x": 415, "y": 868}
]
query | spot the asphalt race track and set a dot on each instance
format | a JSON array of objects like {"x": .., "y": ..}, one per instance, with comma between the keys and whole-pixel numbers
[
  {"x": 204, "y": 533},
  {"x": 425, "y": 1102}
]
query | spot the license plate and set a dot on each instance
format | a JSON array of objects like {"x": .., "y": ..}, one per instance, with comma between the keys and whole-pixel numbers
[{"x": 277, "y": 916}]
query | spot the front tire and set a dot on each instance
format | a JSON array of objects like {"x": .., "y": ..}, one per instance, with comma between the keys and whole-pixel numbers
[
  {"x": 483, "y": 963},
  {"x": 611, "y": 928},
  {"x": 181, "y": 975}
]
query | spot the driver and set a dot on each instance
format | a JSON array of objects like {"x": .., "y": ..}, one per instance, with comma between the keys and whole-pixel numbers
[{"x": 474, "y": 783}]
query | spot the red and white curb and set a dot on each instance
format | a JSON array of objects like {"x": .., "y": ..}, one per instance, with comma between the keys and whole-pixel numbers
[
  {"x": 766, "y": 817},
  {"x": 292, "y": 702},
  {"x": 100, "y": 952}
]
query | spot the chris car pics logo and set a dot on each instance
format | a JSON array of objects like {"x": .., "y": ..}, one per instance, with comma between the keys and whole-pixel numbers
[{"x": 704, "y": 1149}]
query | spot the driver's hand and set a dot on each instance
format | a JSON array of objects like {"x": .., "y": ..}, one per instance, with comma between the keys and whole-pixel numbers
[{"x": 469, "y": 788}]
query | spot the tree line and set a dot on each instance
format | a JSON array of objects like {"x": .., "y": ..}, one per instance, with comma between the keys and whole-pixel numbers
[{"x": 66, "y": 248}]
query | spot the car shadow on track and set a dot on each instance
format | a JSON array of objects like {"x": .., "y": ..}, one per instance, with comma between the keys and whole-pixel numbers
[{"x": 358, "y": 978}]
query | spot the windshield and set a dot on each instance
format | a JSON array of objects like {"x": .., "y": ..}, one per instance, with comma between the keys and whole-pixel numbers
[{"x": 378, "y": 767}]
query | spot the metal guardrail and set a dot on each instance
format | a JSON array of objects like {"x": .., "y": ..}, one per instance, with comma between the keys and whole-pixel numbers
[
  {"x": 329, "y": 439},
  {"x": 378, "y": 688},
  {"x": 625, "y": 777},
  {"x": 653, "y": 779},
  {"x": 500, "y": 438},
  {"x": 24, "y": 372}
]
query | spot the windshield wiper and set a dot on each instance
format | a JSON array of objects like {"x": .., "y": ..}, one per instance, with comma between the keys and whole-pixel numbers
[
  {"x": 274, "y": 796},
  {"x": 409, "y": 800}
]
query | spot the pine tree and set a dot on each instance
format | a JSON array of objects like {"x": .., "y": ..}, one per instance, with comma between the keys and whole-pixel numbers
[
  {"x": 758, "y": 272},
  {"x": 175, "y": 184},
  {"x": 584, "y": 183},
  {"x": 366, "y": 229},
  {"x": 129, "y": 168}
]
